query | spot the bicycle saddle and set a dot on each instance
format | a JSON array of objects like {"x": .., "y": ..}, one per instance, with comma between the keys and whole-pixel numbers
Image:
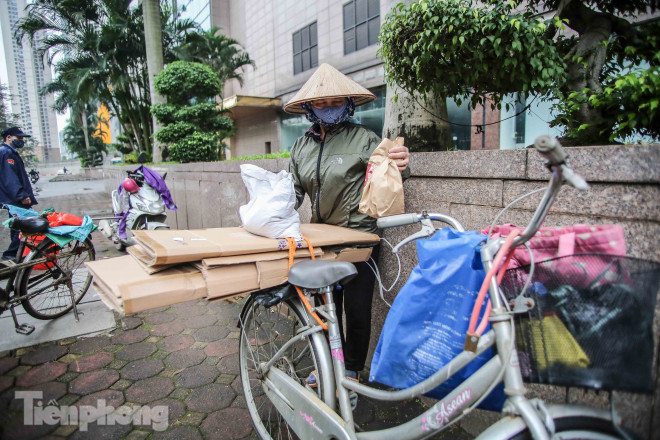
[
  {"x": 29, "y": 225},
  {"x": 316, "y": 274}
]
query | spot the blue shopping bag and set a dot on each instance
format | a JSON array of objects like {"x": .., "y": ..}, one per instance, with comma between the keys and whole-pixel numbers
[{"x": 429, "y": 318}]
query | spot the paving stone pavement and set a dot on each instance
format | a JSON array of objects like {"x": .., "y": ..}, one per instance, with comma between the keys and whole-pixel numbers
[{"x": 183, "y": 357}]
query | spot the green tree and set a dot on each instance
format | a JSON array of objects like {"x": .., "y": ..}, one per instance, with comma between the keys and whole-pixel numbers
[
  {"x": 106, "y": 39},
  {"x": 7, "y": 119},
  {"x": 193, "y": 125},
  {"x": 74, "y": 138},
  {"x": 477, "y": 51},
  {"x": 224, "y": 55}
]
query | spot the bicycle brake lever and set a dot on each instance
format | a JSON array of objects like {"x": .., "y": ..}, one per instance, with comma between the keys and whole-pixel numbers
[
  {"x": 427, "y": 230},
  {"x": 573, "y": 178}
]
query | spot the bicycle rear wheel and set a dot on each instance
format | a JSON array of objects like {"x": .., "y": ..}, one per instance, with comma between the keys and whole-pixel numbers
[
  {"x": 46, "y": 286},
  {"x": 263, "y": 332}
]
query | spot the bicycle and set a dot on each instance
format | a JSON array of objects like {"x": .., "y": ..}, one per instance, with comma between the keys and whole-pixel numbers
[
  {"x": 48, "y": 282},
  {"x": 280, "y": 345}
]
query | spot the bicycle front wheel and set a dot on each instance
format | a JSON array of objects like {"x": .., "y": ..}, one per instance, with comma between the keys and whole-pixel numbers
[
  {"x": 582, "y": 428},
  {"x": 263, "y": 332},
  {"x": 47, "y": 287}
]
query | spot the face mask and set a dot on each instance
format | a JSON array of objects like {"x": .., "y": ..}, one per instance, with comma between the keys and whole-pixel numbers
[
  {"x": 17, "y": 143},
  {"x": 329, "y": 115}
]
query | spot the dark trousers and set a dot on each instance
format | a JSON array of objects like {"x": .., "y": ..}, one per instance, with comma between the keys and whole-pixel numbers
[
  {"x": 354, "y": 299},
  {"x": 13, "y": 246}
]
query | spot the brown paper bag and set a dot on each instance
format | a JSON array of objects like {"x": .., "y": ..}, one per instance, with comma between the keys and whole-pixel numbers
[{"x": 383, "y": 187}]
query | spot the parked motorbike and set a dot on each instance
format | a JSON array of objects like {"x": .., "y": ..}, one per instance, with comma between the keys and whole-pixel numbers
[
  {"x": 139, "y": 206},
  {"x": 34, "y": 175}
]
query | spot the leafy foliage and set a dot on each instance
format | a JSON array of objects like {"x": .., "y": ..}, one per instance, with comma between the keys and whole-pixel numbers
[
  {"x": 6, "y": 119},
  {"x": 602, "y": 73},
  {"x": 278, "y": 155},
  {"x": 629, "y": 97},
  {"x": 183, "y": 81},
  {"x": 197, "y": 147},
  {"x": 102, "y": 57},
  {"x": 74, "y": 138},
  {"x": 461, "y": 44},
  {"x": 221, "y": 53},
  {"x": 174, "y": 132},
  {"x": 191, "y": 119}
]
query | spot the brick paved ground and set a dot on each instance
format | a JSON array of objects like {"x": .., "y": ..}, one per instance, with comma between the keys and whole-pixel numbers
[{"x": 184, "y": 357}]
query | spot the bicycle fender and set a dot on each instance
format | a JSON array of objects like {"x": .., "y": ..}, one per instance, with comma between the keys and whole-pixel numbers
[
  {"x": 308, "y": 415},
  {"x": 268, "y": 297},
  {"x": 512, "y": 425}
]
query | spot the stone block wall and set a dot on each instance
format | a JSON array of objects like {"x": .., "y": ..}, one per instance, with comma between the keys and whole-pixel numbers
[{"x": 473, "y": 187}]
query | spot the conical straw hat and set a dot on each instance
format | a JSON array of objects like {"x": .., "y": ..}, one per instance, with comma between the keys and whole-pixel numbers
[{"x": 328, "y": 82}]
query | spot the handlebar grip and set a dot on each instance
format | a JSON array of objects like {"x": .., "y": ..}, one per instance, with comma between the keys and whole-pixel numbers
[
  {"x": 397, "y": 220},
  {"x": 551, "y": 149}
]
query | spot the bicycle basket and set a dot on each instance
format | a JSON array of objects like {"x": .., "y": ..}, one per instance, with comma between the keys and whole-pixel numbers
[{"x": 591, "y": 324}]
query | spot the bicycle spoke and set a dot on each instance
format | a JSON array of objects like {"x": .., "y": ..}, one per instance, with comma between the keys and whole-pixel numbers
[
  {"x": 47, "y": 288},
  {"x": 264, "y": 333}
]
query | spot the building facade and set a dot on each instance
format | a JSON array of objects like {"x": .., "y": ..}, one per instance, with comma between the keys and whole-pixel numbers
[
  {"x": 288, "y": 39},
  {"x": 27, "y": 74}
]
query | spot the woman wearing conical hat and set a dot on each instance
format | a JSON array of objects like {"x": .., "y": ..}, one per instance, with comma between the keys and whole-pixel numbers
[{"x": 328, "y": 164}]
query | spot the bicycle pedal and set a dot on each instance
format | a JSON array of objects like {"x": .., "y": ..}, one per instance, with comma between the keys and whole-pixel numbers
[{"x": 25, "y": 329}]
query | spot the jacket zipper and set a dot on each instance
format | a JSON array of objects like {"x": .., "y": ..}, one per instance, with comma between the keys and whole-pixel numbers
[{"x": 318, "y": 182}]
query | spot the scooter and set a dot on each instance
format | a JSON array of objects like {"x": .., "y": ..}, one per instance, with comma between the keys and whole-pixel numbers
[
  {"x": 143, "y": 206},
  {"x": 34, "y": 176}
]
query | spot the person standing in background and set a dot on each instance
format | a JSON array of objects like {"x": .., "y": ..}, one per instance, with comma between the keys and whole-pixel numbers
[{"x": 15, "y": 187}]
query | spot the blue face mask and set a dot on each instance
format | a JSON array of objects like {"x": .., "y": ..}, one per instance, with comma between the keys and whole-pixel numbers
[
  {"x": 329, "y": 115},
  {"x": 17, "y": 143}
]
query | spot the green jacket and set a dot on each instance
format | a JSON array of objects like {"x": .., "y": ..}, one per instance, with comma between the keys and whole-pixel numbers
[{"x": 332, "y": 173}]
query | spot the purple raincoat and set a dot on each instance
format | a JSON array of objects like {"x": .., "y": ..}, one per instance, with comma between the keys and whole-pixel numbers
[{"x": 158, "y": 183}]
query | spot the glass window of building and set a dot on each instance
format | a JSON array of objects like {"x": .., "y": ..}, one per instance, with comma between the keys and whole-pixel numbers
[
  {"x": 361, "y": 24},
  {"x": 460, "y": 118},
  {"x": 371, "y": 115},
  {"x": 305, "y": 49},
  {"x": 198, "y": 11}
]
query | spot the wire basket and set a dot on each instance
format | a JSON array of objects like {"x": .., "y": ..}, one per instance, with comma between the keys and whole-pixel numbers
[{"x": 591, "y": 324}]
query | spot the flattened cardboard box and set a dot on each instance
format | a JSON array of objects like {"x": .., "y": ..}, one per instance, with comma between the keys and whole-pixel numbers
[
  {"x": 125, "y": 283},
  {"x": 262, "y": 256},
  {"x": 167, "y": 246},
  {"x": 223, "y": 281},
  {"x": 140, "y": 256}
]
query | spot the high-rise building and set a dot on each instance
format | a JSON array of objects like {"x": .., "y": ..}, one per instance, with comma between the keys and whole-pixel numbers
[
  {"x": 27, "y": 74},
  {"x": 198, "y": 11}
]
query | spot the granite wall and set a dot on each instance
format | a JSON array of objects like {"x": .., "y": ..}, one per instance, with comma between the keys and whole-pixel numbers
[{"x": 473, "y": 186}]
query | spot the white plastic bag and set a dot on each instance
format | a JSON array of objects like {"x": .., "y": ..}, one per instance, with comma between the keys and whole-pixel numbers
[{"x": 271, "y": 210}]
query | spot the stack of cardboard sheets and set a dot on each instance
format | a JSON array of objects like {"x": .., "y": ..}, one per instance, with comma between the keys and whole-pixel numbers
[{"x": 171, "y": 266}]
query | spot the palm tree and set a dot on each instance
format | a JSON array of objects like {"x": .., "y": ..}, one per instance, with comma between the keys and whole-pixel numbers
[
  {"x": 107, "y": 40},
  {"x": 153, "y": 38},
  {"x": 224, "y": 55}
]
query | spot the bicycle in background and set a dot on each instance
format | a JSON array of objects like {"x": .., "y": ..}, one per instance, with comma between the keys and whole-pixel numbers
[{"x": 48, "y": 279}]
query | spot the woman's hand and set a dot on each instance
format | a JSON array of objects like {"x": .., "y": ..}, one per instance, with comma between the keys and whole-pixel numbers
[{"x": 401, "y": 156}]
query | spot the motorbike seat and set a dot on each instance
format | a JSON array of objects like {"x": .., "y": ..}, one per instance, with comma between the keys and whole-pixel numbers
[{"x": 315, "y": 274}]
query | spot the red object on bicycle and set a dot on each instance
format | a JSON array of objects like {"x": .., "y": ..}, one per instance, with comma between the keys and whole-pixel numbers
[
  {"x": 129, "y": 185},
  {"x": 35, "y": 240},
  {"x": 62, "y": 218}
]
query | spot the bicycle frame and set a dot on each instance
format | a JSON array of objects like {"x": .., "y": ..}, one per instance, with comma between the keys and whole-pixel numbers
[
  {"x": 320, "y": 417},
  {"x": 311, "y": 417},
  {"x": 15, "y": 276}
]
